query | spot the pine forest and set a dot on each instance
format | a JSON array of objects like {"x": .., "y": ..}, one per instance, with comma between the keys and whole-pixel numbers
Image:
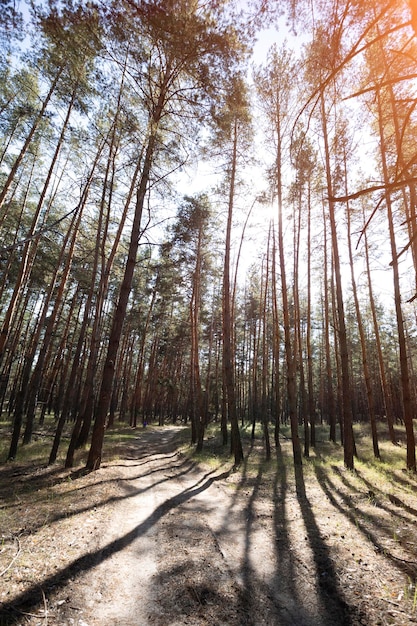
[{"x": 208, "y": 242}]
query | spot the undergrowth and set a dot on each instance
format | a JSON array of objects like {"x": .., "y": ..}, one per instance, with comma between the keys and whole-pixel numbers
[
  {"x": 386, "y": 473},
  {"x": 377, "y": 499}
]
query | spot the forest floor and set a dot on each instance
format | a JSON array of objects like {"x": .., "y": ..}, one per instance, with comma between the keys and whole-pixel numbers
[{"x": 159, "y": 536}]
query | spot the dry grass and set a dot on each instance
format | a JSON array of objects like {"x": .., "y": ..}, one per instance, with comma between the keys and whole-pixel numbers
[{"x": 51, "y": 517}]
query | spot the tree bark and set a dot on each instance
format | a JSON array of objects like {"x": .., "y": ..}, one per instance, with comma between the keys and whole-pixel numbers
[
  {"x": 364, "y": 351},
  {"x": 408, "y": 409},
  {"x": 348, "y": 446},
  {"x": 228, "y": 362}
]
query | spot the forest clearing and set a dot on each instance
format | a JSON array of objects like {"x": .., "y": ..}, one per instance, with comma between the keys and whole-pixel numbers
[{"x": 161, "y": 536}]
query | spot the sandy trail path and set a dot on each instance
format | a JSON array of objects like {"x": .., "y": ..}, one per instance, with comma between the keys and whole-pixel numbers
[
  {"x": 155, "y": 539},
  {"x": 185, "y": 545},
  {"x": 120, "y": 590}
]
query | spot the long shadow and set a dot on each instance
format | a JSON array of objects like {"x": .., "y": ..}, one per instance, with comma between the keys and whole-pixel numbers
[
  {"x": 145, "y": 461},
  {"x": 164, "y": 468},
  {"x": 76, "y": 475},
  {"x": 154, "y": 441},
  {"x": 335, "y": 608},
  {"x": 286, "y": 598},
  {"x": 408, "y": 568},
  {"x": 32, "y": 481},
  {"x": 255, "y": 598},
  {"x": 248, "y": 597},
  {"x": 132, "y": 492},
  {"x": 33, "y": 598},
  {"x": 19, "y": 478},
  {"x": 406, "y": 480},
  {"x": 393, "y": 499},
  {"x": 225, "y": 528},
  {"x": 384, "y": 528}
]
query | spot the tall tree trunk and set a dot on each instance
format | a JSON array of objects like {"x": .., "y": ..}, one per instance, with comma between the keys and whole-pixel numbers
[
  {"x": 255, "y": 337},
  {"x": 289, "y": 350},
  {"x": 24, "y": 273},
  {"x": 137, "y": 394},
  {"x": 196, "y": 391},
  {"x": 103, "y": 404},
  {"x": 348, "y": 446},
  {"x": 265, "y": 420},
  {"x": 69, "y": 393},
  {"x": 30, "y": 246},
  {"x": 22, "y": 388},
  {"x": 228, "y": 361},
  {"x": 330, "y": 399},
  {"x": 298, "y": 347},
  {"x": 310, "y": 387},
  {"x": 36, "y": 378},
  {"x": 276, "y": 351},
  {"x": 408, "y": 409},
  {"x": 365, "y": 365},
  {"x": 386, "y": 388}
]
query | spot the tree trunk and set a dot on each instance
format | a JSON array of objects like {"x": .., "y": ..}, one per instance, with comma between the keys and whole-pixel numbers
[
  {"x": 196, "y": 391},
  {"x": 386, "y": 388},
  {"x": 298, "y": 342},
  {"x": 408, "y": 409},
  {"x": 310, "y": 387},
  {"x": 265, "y": 420},
  {"x": 342, "y": 334},
  {"x": 289, "y": 351},
  {"x": 228, "y": 364},
  {"x": 330, "y": 399},
  {"x": 366, "y": 372},
  {"x": 94, "y": 457},
  {"x": 275, "y": 348}
]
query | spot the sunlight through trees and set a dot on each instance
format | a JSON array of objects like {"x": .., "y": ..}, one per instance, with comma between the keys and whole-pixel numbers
[{"x": 118, "y": 296}]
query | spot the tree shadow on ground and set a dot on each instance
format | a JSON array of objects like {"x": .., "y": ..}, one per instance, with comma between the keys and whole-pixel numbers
[
  {"x": 370, "y": 525},
  {"x": 378, "y": 496},
  {"x": 334, "y": 606},
  {"x": 293, "y": 594},
  {"x": 286, "y": 595},
  {"x": 18, "y": 477},
  {"x": 33, "y": 597},
  {"x": 303, "y": 596},
  {"x": 249, "y": 595},
  {"x": 20, "y": 481}
]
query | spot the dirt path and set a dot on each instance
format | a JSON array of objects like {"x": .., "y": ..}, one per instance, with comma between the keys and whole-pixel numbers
[
  {"x": 176, "y": 544},
  {"x": 186, "y": 547}
]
